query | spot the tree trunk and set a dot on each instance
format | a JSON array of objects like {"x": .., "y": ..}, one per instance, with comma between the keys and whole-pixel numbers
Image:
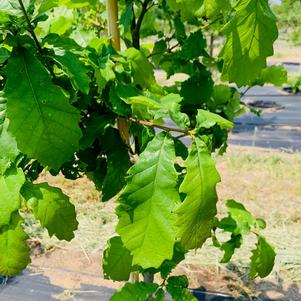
[{"x": 114, "y": 32}]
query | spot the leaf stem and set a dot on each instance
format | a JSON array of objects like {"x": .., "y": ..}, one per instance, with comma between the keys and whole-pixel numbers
[
  {"x": 30, "y": 28},
  {"x": 159, "y": 126}
]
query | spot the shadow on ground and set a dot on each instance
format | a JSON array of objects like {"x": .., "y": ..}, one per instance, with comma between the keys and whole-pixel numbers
[{"x": 37, "y": 287}]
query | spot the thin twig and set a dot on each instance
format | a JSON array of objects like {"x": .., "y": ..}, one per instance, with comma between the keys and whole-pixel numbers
[
  {"x": 164, "y": 51},
  {"x": 211, "y": 23},
  {"x": 182, "y": 136},
  {"x": 245, "y": 92},
  {"x": 30, "y": 28}
]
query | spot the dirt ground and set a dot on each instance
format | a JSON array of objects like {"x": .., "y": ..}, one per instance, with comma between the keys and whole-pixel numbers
[{"x": 267, "y": 182}]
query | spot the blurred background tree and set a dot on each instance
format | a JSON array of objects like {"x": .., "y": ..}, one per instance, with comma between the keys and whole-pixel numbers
[{"x": 288, "y": 13}]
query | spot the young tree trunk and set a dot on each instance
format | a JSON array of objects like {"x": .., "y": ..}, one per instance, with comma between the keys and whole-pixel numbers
[
  {"x": 114, "y": 32},
  {"x": 113, "y": 24}
]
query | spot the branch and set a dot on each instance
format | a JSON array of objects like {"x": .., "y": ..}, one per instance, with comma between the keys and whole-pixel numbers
[
  {"x": 242, "y": 94},
  {"x": 211, "y": 23},
  {"x": 136, "y": 30},
  {"x": 30, "y": 28},
  {"x": 169, "y": 50},
  {"x": 159, "y": 126}
]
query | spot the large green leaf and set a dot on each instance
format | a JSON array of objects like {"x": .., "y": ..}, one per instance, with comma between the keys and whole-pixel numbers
[
  {"x": 138, "y": 291},
  {"x": 15, "y": 254},
  {"x": 196, "y": 215},
  {"x": 250, "y": 37},
  {"x": 262, "y": 260},
  {"x": 74, "y": 68},
  {"x": 52, "y": 208},
  {"x": 145, "y": 214},
  {"x": 43, "y": 122},
  {"x": 117, "y": 261},
  {"x": 10, "y": 185}
]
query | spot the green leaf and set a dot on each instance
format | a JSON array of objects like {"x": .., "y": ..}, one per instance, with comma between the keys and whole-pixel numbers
[
  {"x": 212, "y": 8},
  {"x": 169, "y": 104},
  {"x": 104, "y": 74},
  {"x": 61, "y": 23},
  {"x": 276, "y": 75},
  {"x": 198, "y": 88},
  {"x": 95, "y": 128},
  {"x": 250, "y": 37},
  {"x": 177, "y": 286},
  {"x": 188, "y": 8},
  {"x": 262, "y": 260},
  {"x": 146, "y": 222},
  {"x": 159, "y": 296},
  {"x": 52, "y": 208},
  {"x": 15, "y": 254},
  {"x": 98, "y": 175},
  {"x": 138, "y": 291},
  {"x": 242, "y": 217},
  {"x": 2, "y": 110},
  {"x": 8, "y": 149},
  {"x": 221, "y": 94},
  {"x": 62, "y": 42},
  {"x": 142, "y": 70},
  {"x": 194, "y": 46},
  {"x": 4, "y": 55},
  {"x": 206, "y": 119},
  {"x": 144, "y": 101},
  {"x": 43, "y": 122},
  {"x": 75, "y": 69},
  {"x": 10, "y": 186},
  {"x": 160, "y": 48},
  {"x": 126, "y": 20},
  {"x": 172, "y": 102},
  {"x": 168, "y": 265},
  {"x": 229, "y": 247},
  {"x": 196, "y": 215},
  {"x": 117, "y": 261},
  {"x": 118, "y": 164}
]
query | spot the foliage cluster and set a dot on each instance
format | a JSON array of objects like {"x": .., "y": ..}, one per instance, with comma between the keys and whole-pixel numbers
[{"x": 71, "y": 104}]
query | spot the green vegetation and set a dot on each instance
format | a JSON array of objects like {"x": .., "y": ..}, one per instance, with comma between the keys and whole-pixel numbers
[
  {"x": 72, "y": 104},
  {"x": 288, "y": 13}
]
